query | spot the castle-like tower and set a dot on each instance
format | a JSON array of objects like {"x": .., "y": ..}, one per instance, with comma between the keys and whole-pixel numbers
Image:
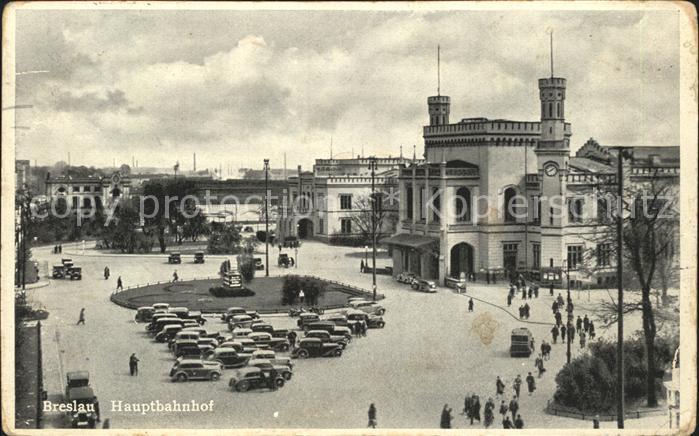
[{"x": 438, "y": 107}]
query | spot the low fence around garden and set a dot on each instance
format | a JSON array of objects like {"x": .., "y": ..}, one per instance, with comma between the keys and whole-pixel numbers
[
  {"x": 557, "y": 410},
  {"x": 349, "y": 289}
]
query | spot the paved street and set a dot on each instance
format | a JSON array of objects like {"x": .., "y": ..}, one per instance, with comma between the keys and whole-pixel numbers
[{"x": 428, "y": 354}]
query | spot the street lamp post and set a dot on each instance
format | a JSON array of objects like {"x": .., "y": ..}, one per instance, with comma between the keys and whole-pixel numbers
[
  {"x": 622, "y": 152},
  {"x": 266, "y": 218},
  {"x": 372, "y": 167},
  {"x": 296, "y": 255},
  {"x": 366, "y": 255}
]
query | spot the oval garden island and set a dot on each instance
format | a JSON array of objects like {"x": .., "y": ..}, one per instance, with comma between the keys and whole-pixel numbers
[{"x": 263, "y": 294}]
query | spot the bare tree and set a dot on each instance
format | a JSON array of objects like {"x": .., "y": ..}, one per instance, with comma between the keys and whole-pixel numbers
[
  {"x": 386, "y": 216},
  {"x": 651, "y": 224}
]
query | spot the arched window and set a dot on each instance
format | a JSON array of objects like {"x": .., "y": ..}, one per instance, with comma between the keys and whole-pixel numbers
[
  {"x": 550, "y": 110},
  {"x": 558, "y": 109},
  {"x": 509, "y": 206},
  {"x": 87, "y": 203},
  {"x": 543, "y": 110},
  {"x": 463, "y": 204},
  {"x": 575, "y": 210},
  {"x": 603, "y": 210}
]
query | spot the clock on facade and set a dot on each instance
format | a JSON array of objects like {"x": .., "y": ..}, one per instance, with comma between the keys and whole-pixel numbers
[
  {"x": 551, "y": 170},
  {"x": 116, "y": 178}
]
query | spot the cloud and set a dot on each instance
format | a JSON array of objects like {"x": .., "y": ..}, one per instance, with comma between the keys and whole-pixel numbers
[{"x": 238, "y": 86}]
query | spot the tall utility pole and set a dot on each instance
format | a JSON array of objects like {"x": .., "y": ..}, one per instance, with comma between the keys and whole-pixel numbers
[
  {"x": 372, "y": 167},
  {"x": 621, "y": 153},
  {"x": 266, "y": 218}
]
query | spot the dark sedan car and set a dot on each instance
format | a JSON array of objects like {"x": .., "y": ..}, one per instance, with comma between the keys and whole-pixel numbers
[
  {"x": 254, "y": 378},
  {"x": 228, "y": 357},
  {"x": 314, "y": 347}
]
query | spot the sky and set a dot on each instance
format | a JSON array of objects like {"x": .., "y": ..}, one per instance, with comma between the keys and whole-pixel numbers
[{"x": 240, "y": 86}]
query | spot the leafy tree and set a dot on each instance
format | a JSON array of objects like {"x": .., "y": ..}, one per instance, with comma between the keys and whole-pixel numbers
[
  {"x": 246, "y": 266},
  {"x": 224, "y": 239},
  {"x": 196, "y": 226},
  {"x": 249, "y": 244}
]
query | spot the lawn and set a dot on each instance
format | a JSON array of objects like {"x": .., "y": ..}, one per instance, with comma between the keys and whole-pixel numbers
[{"x": 195, "y": 295}]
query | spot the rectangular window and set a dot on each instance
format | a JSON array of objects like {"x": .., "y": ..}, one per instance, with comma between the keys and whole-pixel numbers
[
  {"x": 575, "y": 256},
  {"x": 320, "y": 226},
  {"x": 603, "y": 254},
  {"x": 422, "y": 203},
  {"x": 75, "y": 202},
  {"x": 346, "y": 225},
  {"x": 409, "y": 202},
  {"x": 87, "y": 188},
  {"x": 345, "y": 201},
  {"x": 536, "y": 256},
  {"x": 76, "y": 188},
  {"x": 436, "y": 205},
  {"x": 509, "y": 257},
  {"x": 575, "y": 210},
  {"x": 536, "y": 219}
]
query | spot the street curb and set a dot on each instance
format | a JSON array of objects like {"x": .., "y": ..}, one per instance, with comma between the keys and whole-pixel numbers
[
  {"x": 37, "y": 285},
  {"x": 155, "y": 256}
]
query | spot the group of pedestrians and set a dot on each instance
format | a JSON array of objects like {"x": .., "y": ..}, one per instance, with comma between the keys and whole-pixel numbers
[
  {"x": 359, "y": 328},
  {"x": 524, "y": 311},
  {"x": 58, "y": 249}
]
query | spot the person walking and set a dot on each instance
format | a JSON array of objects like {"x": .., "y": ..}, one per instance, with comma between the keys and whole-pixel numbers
[
  {"x": 526, "y": 310},
  {"x": 579, "y": 323},
  {"x": 582, "y": 339},
  {"x": 571, "y": 332},
  {"x": 514, "y": 407},
  {"x": 81, "y": 317},
  {"x": 175, "y": 277},
  {"x": 470, "y": 304},
  {"x": 503, "y": 408},
  {"x": 364, "y": 328},
  {"x": 530, "y": 291},
  {"x": 372, "y": 416},
  {"x": 531, "y": 383},
  {"x": 586, "y": 324},
  {"x": 509, "y": 300},
  {"x": 558, "y": 317},
  {"x": 536, "y": 291},
  {"x": 291, "y": 336},
  {"x": 120, "y": 285},
  {"x": 488, "y": 414},
  {"x": 559, "y": 300},
  {"x": 445, "y": 421},
  {"x": 592, "y": 330},
  {"x": 554, "y": 333},
  {"x": 106, "y": 272},
  {"x": 301, "y": 296},
  {"x": 521, "y": 312},
  {"x": 467, "y": 406},
  {"x": 506, "y": 423},
  {"x": 554, "y": 307},
  {"x": 524, "y": 294},
  {"x": 563, "y": 334},
  {"x": 519, "y": 423},
  {"x": 539, "y": 363},
  {"x": 133, "y": 364},
  {"x": 476, "y": 409},
  {"x": 517, "y": 385},
  {"x": 361, "y": 266},
  {"x": 499, "y": 387}
]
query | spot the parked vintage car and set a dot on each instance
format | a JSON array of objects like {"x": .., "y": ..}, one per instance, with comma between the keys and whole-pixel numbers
[
  {"x": 174, "y": 258},
  {"x": 156, "y": 326},
  {"x": 521, "y": 342},
  {"x": 272, "y": 357},
  {"x": 240, "y": 321},
  {"x": 319, "y": 325},
  {"x": 306, "y": 318},
  {"x": 75, "y": 273},
  {"x": 195, "y": 315},
  {"x": 207, "y": 342},
  {"x": 328, "y": 337},
  {"x": 267, "y": 365},
  {"x": 341, "y": 330},
  {"x": 265, "y": 340},
  {"x": 231, "y": 312},
  {"x": 314, "y": 347},
  {"x": 280, "y": 333},
  {"x": 227, "y": 357},
  {"x": 423, "y": 285},
  {"x": 370, "y": 307},
  {"x": 180, "y": 312},
  {"x": 185, "y": 346},
  {"x": 168, "y": 332},
  {"x": 244, "y": 345},
  {"x": 262, "y": 327},
  {"x": 144, "y": 314},
  {"x": 337, "y": 318},
  {"x": 198, "y": 257},
  {"x": 241, "y": 332},
  {"x": 158, "y": 307},
  {"x": 253, "y": 378},
  {"x": 181, "y": 336},
  {"x": 78, "y": 392},
  {"x": 195, "y": 369},
  {"x": 405, "y": 277},
  {"x": 189, "y": 323},
  {"x": 58, "y": 272},
  {"x": 372, "y": 321}
]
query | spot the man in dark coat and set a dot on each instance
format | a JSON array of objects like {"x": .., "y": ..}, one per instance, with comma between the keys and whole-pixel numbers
[
  {"x": 509, "y": 300},
  {"x": 578, "y": 323},
  {"x": 506, "y": 423},
  {"x": 519, "y": 423},
  {"x": 554, "y": 333},
  {"x": 558, "y": 316},
  {"x": 372, "y": 416},
  {"x": 470, "y": 304},
  {"x": 476, "y": 409},
  {"x": 503, "y": 408},
  {"x": 120, "y": 285},
  {"x": 526, "y": 310},
  {"x": 571, "y": 332},
  {"x": 133, "y": 364},
  {"x": 554, "y": 307},
  {"x": 291, "y": 336},
  {"x": 592, "y": 330},
  {"x": 499, "y": 386},
  {"x": 81, "y": 317},
  {"x": 586, "y": 323},
  {"x": 563, "y": 333},
  {"x": 531, "y": 383},
  {"x": 445, "y": 421},
  {"x": 517, "y": 385},
  {"x": 514, "y": 407}
]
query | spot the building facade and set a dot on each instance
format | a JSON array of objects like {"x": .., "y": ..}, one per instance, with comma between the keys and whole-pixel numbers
[
  {"x": 504, "y": 196},
  {"x": 333, "y": 198},
  {"x": 88, "y": 192}
]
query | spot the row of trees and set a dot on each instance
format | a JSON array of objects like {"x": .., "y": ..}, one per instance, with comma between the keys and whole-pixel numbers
[{"x": 293, "y": 285}]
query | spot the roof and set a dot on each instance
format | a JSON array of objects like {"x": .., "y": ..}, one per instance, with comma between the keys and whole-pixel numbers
[
  {"x": 408, "y": 240},
  {"x": 75, "y": 375},
  {"x": 589, "y": 165},
  {"x": 83, "y": 392}
]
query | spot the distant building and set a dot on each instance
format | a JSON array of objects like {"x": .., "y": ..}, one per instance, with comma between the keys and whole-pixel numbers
[
  {"x": 88, "y": 192},
  {"x": 22, "y": 173},
  {"x": 259, "y": 174},
  {"x": 322, "y": 202},
  {"x": 454, "y": 214}
]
